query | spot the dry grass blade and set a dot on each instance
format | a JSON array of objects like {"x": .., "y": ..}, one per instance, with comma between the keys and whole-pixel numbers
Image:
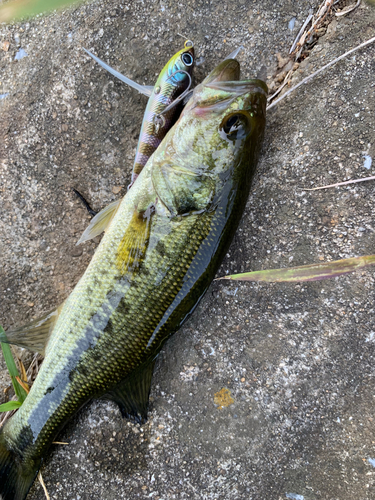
[
  {"x": 353, "y": 181},
  {"x": 23, "y": 385},
  {"x": 43, "y": 485},
  {"x": 33, "y": 369},
  {"x": 286, "y": 81},
  {"x": 303, "y": 42},
  {"x": 323, "y": 11},
  {"x": 300, "y": 33},
  {"x": 23, "y": 376},
  {"x": 59, "y": 442},
  {"x": 310, "y": 77}
]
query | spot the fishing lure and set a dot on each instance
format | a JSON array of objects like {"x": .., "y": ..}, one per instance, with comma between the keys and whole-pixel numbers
[
  {"x": 171, "y": 86},
  {"x": 170, "y": 89}
]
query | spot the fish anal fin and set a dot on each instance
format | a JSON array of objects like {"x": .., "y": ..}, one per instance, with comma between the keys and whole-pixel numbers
[
  {"x": 100, "y": 222},
  {"x": 132, "y": 393},
  {"x": 33, "y": 336}
]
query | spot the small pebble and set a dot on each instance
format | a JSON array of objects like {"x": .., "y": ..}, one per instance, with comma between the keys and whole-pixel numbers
[
  {"x": 116, "y": 189},
  {"x": 76, "y": 251}
]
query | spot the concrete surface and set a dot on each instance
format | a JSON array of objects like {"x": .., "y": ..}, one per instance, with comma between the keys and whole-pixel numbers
[{"x": 297, "y": 359}]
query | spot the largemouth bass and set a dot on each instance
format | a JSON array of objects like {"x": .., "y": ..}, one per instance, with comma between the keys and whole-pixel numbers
[{"x": 152, "y": 267}]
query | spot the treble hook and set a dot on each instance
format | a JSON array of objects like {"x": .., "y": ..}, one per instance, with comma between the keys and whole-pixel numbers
[{"x": 159, "y": 120}]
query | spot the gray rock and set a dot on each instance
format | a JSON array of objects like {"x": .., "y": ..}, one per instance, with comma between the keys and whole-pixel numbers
[{"x": 298, "y": 359}]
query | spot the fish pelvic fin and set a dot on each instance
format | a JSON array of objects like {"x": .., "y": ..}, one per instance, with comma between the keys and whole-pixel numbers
[
  {"x": 132, "y": 393},
  {"x": 35, "y": 335},
  {"x": 16, "y": 479},
  {"x": 100, "y": 222}
]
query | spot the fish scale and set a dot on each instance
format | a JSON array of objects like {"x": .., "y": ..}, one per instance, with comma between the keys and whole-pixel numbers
[{"x": 156, "y": 260}]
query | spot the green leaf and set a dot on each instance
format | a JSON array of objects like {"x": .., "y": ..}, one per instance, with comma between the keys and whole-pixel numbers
[
  {"x": 311, "y": 272},
  {"x": 10, "y": 405},
  {"x": 19, "y": 9},
  {"x": 12, "y": 369}
]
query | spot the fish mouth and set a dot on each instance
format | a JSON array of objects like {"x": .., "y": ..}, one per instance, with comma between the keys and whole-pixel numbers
[
  {"x": 227, "y": 70},
  {"x": 226, "y": 92}
]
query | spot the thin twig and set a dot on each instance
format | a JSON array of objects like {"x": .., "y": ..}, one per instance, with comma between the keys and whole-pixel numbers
[
  {"x": 354, "y": 181},
  {"x": 309, "y": 17},
  {"x": 349, "y": 9},
  {"x": 308, "y": 78},
  {"x": 34, "y": 365},
  {"x": 286, "y": 80},
  {"x": 43, "y": 485}
]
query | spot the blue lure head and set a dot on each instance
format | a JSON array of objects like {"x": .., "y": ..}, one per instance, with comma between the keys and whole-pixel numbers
[{"x": 178, "y": 68}]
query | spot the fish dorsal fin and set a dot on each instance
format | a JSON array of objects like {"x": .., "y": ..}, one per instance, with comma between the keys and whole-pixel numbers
[
  {"x": 132, "y": 393},
  {"x": 142, "y": 89},
  {"x": 35, "y": 335},
  {"x": 100, "y": 222}
]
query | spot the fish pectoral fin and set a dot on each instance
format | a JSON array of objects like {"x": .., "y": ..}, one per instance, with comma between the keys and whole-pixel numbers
[
  {"x": 100, "y": 222},
  {"x": 35, "y": 335},
  {"x": 142, "y": 89},
  {"x": 180, "y": 189},
  {"x": 132, "y": 393}
]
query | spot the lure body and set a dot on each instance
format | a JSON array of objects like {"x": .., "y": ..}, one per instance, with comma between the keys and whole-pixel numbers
[{"x": 173, "y": 81}]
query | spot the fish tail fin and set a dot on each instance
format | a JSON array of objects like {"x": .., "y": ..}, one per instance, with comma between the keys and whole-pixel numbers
[{"x": 15, "y": 478}]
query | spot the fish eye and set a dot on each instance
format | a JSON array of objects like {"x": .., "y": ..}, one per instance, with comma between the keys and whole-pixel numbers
[
  {"x": 187, "y": 59},
  {"x": 236, "y": 126},
  {"x": 229, "y": 125}
]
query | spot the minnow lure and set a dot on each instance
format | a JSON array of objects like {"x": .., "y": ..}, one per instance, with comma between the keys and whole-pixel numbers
[{"x": 173, "y": 81}]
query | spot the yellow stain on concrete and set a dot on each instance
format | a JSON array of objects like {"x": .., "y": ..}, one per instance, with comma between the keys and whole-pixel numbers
[{"x": 223, "y": 398}]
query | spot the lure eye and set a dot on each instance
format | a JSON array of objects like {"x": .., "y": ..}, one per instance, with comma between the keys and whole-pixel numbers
[
  {"x": 236, "y": 126},
  {"x": 187, "y": 59}
]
